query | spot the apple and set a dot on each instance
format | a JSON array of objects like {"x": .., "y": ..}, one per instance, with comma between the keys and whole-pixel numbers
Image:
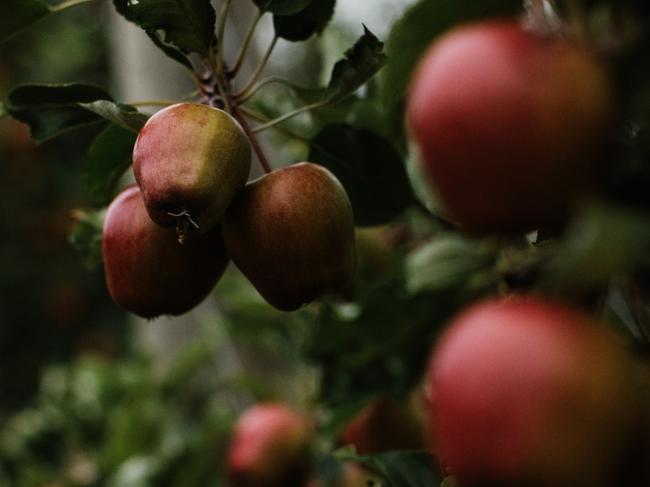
[
  {"x": 270, "y": 447},
  {"x": 509, "y": 125},
  {"x": 147, "y": 271},
  {"x": 384, "y": 425},
  {"x": 352, "y": 475},
  {"x": 291, "y": 233},
  {"x": 190, "y": 161},
  {"x": 527, "y": 392}
]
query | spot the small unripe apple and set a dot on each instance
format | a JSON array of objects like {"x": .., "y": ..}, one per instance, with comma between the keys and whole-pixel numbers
[
  {"x": 291, "y": 233},
  {"x": 270, "y": 447},
  {"x": 147, "y": 271},
  {"x": 509, "y": 125},
  {"x": 190, "y": 161},
  {"x": 382, "y": 426},
  {"x": 527, "y": 392}
]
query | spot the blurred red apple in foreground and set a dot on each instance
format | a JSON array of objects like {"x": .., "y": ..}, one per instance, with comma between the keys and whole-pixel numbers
[
  {"x": 508, "y": 125},
  {"x": 531, "y": 393}
]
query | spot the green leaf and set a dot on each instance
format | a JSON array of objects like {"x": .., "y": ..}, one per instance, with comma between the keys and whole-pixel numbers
[
  {"x": 400, "y": 469},
  {"x": 125, "y": 116},
  {"x": 3, "y": 110},
  {"x": 51, "y": 110},
  {"x": 451, "y": 261},
  {"x": 361, "y": 62},
  {"x": 16, "y": 15},
  {"x": 86, "y": 237},
  {"x": 109, "y": 157},
  {"x": 369, "y": 168},
  {"x": 604, "y": 242},
  {"x": 307, "y": 22},
  {"x": 414, "y": 32},
  {"x": 282, "y": 7},
  {"x": 359, "y": 65},
  {"x": 176, "y": 26}
]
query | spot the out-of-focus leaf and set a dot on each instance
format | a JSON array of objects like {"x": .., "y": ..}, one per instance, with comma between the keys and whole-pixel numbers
[
  {"x": 178, "y": 26},
  {"x": 412, "y": 34},
  {"x": 399, "y": 469},
  {"x": 604, "y": 242},
  {"x": 86, "y": 236},
  {"x": 371, "y": 171},
  {"x": 109, "y": 157},
  {"x": 125, "y": 116},
  {"x": 51, "y": 110},
  {"x": 451, "y": 261},
  {"x": 16, "y": 15},
  {"x": 305, "y": 23},
  {"x": 283, "y": 7}
]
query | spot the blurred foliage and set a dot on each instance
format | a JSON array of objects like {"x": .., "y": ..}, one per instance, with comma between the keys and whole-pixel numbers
[{"x": 50, "y": 305}]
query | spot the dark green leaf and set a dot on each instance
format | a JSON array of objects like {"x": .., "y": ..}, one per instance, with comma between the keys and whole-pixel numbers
[
  {"x": 361, "y": 62},
  {"x": 401, "y": 469},
  {"x": 16, "y": 15},
  {"x": 369, "y": 168},
  {"x": 125, "y": 116},
  {"x": 304, "y": 24},
  {"x": 51, "y": 110},
  {"x": 178, "y": 26},
  {"x": 86, "y": 237},
  {"x": 413, "y": 33},
  {"x": 282, "y": 7},
  {"x": 108, "y": 157}
]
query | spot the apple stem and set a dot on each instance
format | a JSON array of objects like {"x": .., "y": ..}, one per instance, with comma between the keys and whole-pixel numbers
[
  {"x": 285, "y": 131},
  {"x": 291, "y": 114},
  {"x": 223, "y": 16},
  {"x": 68, "y": 4},
  {"x": 253, "y": 138},
  {"x": 244, "y": 48},
  {"x": 243, "y": 97},
  {"x": 253, "y": 79}
]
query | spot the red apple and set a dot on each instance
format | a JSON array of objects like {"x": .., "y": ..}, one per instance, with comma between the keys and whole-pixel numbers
[
  {"x": 291, "y": 233},
  {"x": 270, "y": 447},
  {"x": 382, "y": 426},
  {"x": 190, "y": 161},
  {"x": 508, "y": 125},
  {"x": 531, "y": 393},
  {"x": 147, "y": 271}
]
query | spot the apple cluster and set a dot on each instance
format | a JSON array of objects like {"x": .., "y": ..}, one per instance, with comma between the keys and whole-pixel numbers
[
  {"x": 168, "y": 239},
  {"x": 523, "y": 391}
]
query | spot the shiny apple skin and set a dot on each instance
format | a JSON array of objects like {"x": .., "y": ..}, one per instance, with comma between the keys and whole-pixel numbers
[
  {"x": 193, "y": 158},
  {"x": 148, "y": 272},
  {"x": 291, "y": 233}
]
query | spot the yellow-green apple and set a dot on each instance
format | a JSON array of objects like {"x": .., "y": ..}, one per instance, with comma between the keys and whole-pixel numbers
[
  {"x": 291, "y": 233},
  {"x": 190, "y": 161}
]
